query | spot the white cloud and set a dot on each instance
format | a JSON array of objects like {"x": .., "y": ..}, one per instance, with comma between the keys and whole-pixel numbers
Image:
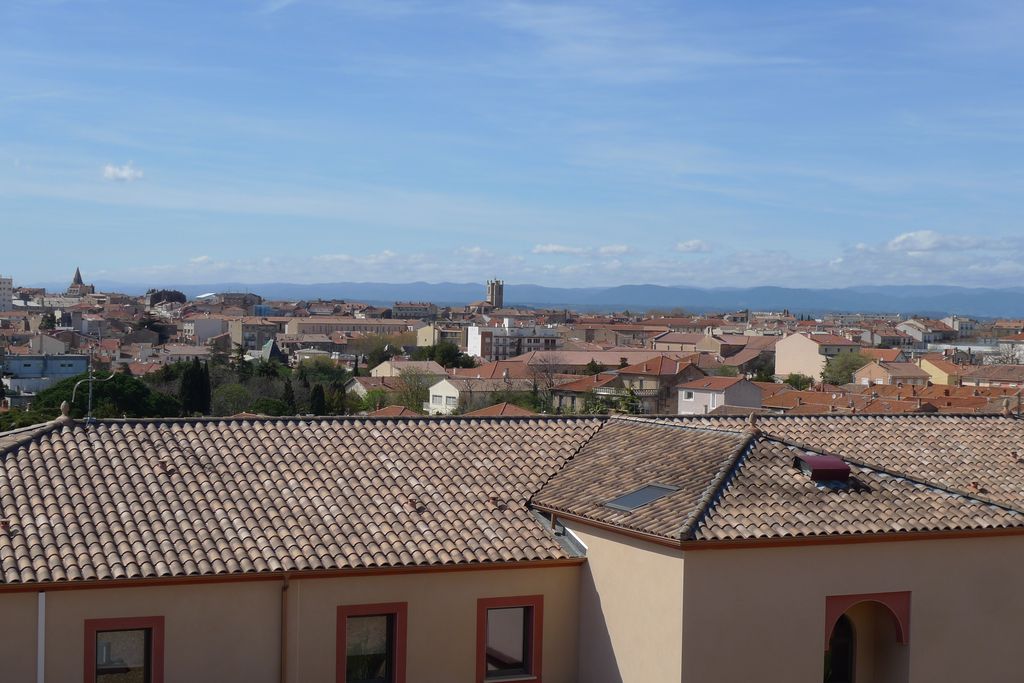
[
  {"x": 693, "y": 247},
  {"x": 557, "y": 249},
  {"x": 474, "y": 252},
  {"x": 199, "y": 259},
  {"x": 613, "y": 249},
  {"x": 126, "y": 173},
  {"x": 929, "y": 240}
]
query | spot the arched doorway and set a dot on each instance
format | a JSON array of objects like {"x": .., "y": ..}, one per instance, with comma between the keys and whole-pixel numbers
[
  {"x": 867, "y": 640},
  {"x": 840, "y": 658}
]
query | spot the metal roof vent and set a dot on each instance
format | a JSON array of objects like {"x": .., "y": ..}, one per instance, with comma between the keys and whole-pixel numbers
[{"x": 823, "y": 468}]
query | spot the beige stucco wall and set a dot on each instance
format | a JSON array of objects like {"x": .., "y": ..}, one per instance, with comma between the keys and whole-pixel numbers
[
  {"x": 212, "y": 632},
  {"x": 798, "y": 354},
  {"x": 220, "y": 633},
  {"x": 224, "y": 632},
  {"x": 442, "y": 620},
  {"x": 759, "y": 614},
  {"x": 630, "y": 619},
  {"x": 18, "y": 637}
]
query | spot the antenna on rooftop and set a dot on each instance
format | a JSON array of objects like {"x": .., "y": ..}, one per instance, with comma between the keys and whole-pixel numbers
[{"x": 90, "y": 379}]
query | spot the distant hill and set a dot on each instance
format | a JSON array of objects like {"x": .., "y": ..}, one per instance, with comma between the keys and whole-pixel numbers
[{"x": 916, "y": 299}]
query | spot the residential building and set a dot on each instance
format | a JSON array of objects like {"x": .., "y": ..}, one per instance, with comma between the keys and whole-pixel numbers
[
  {"x": 964, "y": 327},
  {"x": 500, "y": 343},
  {"x": 199, "y": 328},
  {"x": 558, "y": 549},
  {"x": 6, "y": 294},
  {"x": 652, "y": 383},
  {"x": 396, "y": 366},
  {"x": 940, "y": 370},
  {"x": 701, "y": 396},
  {"x": 329, "y": 325},
  {"x": 807, "y": 353},
  {"x": 32, "y": 373},
  {"x": 417, "y": 310},
  {"x": 884, "y": 372},
  {"x": 251, "y": 333},
  {"x": 925, "y": 331},
  {"x": 448, "y": 331},
  {"x": 463, "y": 394},
  {"x": 994, "y": 376}
]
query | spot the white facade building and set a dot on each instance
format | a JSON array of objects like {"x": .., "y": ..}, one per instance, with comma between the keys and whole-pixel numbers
[{"x": 500, "y": 343}]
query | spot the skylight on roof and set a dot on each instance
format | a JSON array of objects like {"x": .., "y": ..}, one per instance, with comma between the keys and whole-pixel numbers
[{"x": 640, "y": 497}]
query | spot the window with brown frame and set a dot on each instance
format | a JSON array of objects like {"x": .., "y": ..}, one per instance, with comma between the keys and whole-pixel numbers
[
  {"x": 509, "y": 638},
  {"x": 371, "y": 643},
  {"x": 129, "y": 650}
]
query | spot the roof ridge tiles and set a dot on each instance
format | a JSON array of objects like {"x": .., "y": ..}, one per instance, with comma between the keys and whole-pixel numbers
[
  {"x": 15, "y": 438},
  {"x": 714, "y": 491}
]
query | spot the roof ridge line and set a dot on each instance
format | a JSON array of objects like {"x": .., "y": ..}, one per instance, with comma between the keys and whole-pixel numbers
[
  {"x": 661, "y": 421},
  {"x": 713, "y": 493},
  {"x": 600, "y": 425},
  {"x": 902, "y": 475},
  {"x": 24, "y": 435}
]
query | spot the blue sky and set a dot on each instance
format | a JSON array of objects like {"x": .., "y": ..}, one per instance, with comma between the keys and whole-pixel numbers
[{"x": 708, "y": 143}]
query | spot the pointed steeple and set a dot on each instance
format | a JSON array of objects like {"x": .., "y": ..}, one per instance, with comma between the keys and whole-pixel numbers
[{"x": 78, "y": 278}]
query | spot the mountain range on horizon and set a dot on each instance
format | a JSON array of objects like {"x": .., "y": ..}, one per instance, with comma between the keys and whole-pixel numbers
[{"x": 906, "y": 299}]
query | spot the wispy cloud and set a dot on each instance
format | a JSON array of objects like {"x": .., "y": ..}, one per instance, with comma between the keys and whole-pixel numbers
[
  {"x": 929, "y": 240},
  {"x": 613, "y": 249},
  {"x": 557, "y": 249},
  {"x": 126, "y": 173},
  {"x": 693, "y": 247}
]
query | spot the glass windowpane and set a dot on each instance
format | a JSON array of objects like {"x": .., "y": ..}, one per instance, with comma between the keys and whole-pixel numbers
[
  {"x": 123, "y": 656},
  {"x": 369, "y": 649},
  {"x": 507, "y": 650}
]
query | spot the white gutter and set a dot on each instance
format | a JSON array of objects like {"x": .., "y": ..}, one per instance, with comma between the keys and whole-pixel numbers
[{"x": 41, "y": 639}]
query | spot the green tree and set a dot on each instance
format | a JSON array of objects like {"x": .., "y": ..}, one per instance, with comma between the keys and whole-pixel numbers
[
  {"x": 231, "y": 399},
  {"x": 269, "y": 406},
  {"x": 288, "y": 397},
  {"x": 49, "y": 321},
  {"x": 194, "y": 389},
  {"x": 121, "y": 395},
  {"x": 839, "y": 369},
  {"x": 799, "y": 381},
  {"x": 241, "y": 366},
  {"x": 413, "y": 389},
  {"x": 318, "y": 400},
  {"x": 727, "y": 371},
  {"x": 593, "y": 368}
]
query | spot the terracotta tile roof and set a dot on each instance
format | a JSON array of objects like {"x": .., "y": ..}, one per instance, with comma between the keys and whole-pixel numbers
[
  {"x": 996, "y": 373},
  {"x": 129, "y": 499},
  {"x": 659, "y": 365},
  {"x": 500, "y": 409},
  {"x": 889, "y": 355},
  {"x": 768, "y": 497},
  {"x": 903, "y": 370},
  {"x": 395, "y": 411},
  {"x": 628, "y": 454},
  {"x": 588, "y": 383},
  {"x": 731, "y": 484},
  {"x": 830, "y": 340},
  {"x": 711, "y": 383},
  {"x": 496, "y": 370},
  {"x": 958, "y": 451}
]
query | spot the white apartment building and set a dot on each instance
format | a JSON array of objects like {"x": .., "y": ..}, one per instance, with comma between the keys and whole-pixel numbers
[
  {"x": 500, "y": 343},
  {"x": 6, "y": 294}
]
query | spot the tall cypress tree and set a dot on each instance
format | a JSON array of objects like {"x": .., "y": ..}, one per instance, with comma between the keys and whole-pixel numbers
[
  {"x": 207, "y": 391},
  {"x": 289, "y": 396},
  {"x": 317, "y": 400}
]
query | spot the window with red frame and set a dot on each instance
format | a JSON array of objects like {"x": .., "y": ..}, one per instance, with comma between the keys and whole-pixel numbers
[
  {"x": 371, "y": 643},
  {"x": 509, "y": 637}
]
